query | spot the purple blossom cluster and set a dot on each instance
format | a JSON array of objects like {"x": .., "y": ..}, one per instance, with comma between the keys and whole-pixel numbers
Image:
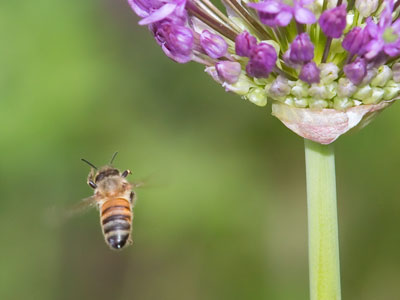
[{"x": 257, "y": 45}]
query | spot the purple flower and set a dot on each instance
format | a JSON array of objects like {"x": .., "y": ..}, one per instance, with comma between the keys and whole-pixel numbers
[
  {"x": 214, "y": 45},
  {"x": 355, "y": 41},
  {"x": 244, "y": 43},
  {"x": 262, "y": 61},
  {"x": 356, "y": 71},
  {"x": 228, "y": 71},
  {"x": 153, "y": 11},
  {"x": 175, "y": 40},
  {"x": 333, "y": 21},
  {"x": 276, "y": 13},
  {"x": 288, "y": 61},
  {"x": 384, "y": 36},
  {"x": 302, "y": 49},
  {"x": 310, "y": 73}
]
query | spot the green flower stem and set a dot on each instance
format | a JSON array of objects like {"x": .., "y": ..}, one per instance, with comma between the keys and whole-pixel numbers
[{"x": 323, "y": 239}]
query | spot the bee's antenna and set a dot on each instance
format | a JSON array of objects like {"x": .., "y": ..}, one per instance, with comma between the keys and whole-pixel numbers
[
  {"x": 113, "y": 157},
  {"x": 89, "y": 163}
]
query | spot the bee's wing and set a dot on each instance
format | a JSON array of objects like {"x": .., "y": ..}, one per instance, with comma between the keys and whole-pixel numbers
[
  {"x": 81, "y": 207},
  {"x": 56, "y": 216}
]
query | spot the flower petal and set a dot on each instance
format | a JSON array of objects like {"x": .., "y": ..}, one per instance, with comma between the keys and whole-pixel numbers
[
  {"x": 304, "y": 15},
  {"x": 160, "y": 14}
]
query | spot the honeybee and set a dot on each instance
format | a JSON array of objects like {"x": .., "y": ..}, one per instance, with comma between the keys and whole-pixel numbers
[{"x": 115, "y": 199}]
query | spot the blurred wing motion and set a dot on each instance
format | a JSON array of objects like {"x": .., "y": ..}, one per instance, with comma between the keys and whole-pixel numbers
[
  {"x": 55, "y": 216},
  {"x": 81, "y": 207}
]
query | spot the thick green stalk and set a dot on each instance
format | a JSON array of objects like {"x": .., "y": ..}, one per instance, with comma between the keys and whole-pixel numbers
[{"x": 323, "y": 239}]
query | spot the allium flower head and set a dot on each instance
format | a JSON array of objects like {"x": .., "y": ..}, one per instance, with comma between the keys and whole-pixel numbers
[{"x": 312, "y": 58}]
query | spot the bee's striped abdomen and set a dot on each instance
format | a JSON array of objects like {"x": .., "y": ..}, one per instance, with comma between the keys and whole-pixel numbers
[{"x": 116, "y": 220}]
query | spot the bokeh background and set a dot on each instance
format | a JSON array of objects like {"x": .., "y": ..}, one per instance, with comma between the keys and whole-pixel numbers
[{"x": 224, "y": 213}]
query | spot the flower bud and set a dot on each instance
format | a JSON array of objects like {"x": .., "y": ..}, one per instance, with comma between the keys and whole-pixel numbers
[
  {"x": 355, "y": 41},
  {"x": 376, "y": 97},
  {"x": 300, "y": 102},
  {"x": 300, "y": 89},
  {"x": 356, "y": 71},
  {"x": 367, "y": 7},
  {"x": 329, "y": 72},
  {"x": 214, "y": 45},
  {"x": 346, "y": 88},
  {"x": 240, "y": 87},
  {"x": 310, "y": 73},
  {"x": 263, "y": 58},
  {"x": 342, "y": 103},
  {"x": 391, "y": 90},
  {"x": 363, "y": 93},
  {"x": 244, "y": 43},
  {"x": 396, "y": 72},
  {"x": 384, "y": 75},
  {"x": 319, "y": 91},
  {"x": 318, "y": 104},
  {"x": 257, "y": 96},
  {"x": 228, "y": 71},
  {"x": 175, "y": 40},
  {"x": 333, "y": 21},
  {"x": 371, "y": 73},
  {"x": 289, "y": 62},
  {"x": 302, "y": 49},
  {"x": 279, "y": 88},
  {"x": 333, "y": 3}
]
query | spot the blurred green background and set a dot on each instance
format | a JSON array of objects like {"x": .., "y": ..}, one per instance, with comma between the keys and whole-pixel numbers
[{"x": 226, "y": 217}]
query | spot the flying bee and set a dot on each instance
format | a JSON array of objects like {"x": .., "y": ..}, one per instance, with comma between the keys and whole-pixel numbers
[{"x": 115, "y": 199}]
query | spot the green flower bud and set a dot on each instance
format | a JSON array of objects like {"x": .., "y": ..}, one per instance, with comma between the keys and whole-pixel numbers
[
  {"x": 279, "y": 89},
  {"x": 333, "y": 3},
  {"x": 241, "y": 87},
  {"x": 342, "y": 103},
  {"x": 288, "y": 101},
  {"x": 370, "y": 75},
  {"x": 300, "y": 89},
  {"x": 391, "y": 90},
  {"x": 363, "y": 93},
  {"x": 318, "y": 91},
  {"x": 384, "y": 75},
  {"x": 367, "y": 7},
  {"x": 318, "y": 104},
  {"x": 329, "y": 73},
  {"x": 346, "y": 88},
  {"x": 376, "y": 97},
  {"x": 396, "y": 72},
  {"x": 300, "y": 102},
  {"x": 257, "y": 96}
]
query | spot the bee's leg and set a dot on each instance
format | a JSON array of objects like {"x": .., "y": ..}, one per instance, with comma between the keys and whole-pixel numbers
[
  {"x": 90, "y": 180},
  {"x": 126, "y": 173}
]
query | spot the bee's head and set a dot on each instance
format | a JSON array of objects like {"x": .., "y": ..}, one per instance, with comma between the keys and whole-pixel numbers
[
  {"x": 104, "y": 173},
  {"x": 96, "y": 176}
]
